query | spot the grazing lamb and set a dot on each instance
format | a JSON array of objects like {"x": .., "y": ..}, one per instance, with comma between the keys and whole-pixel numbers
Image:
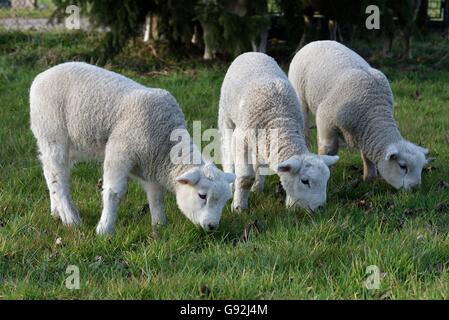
[
  {"x": 352, "y": 100},
  {"x": 79, "y": 111},
  {"x": 255, "y": 96}
]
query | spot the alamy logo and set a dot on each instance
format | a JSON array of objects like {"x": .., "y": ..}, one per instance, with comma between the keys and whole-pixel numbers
[
  {"x": 372, "y": 22},
  {"x": 189, "y": 150},
  {"x": 372, "y": 281},
  {"x": 72, "y": 282},
  {"x": 72, "y": 22}
]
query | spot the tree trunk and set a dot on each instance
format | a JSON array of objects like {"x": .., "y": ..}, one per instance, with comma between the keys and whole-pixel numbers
[
  {"x": 151, "y": 28},
  {"x": 332, "y": 25},
  {"x": 146, "y": 36},
  {"x": 196, "y": 38},
  {"x": 305, "y": 34},
  {"x": 208, "y": 51},
  {"x": 154, "y": 27}
]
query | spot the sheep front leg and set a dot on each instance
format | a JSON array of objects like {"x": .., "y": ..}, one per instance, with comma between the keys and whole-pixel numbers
[
  {"x": 327, "y": 140},
  {"x": 259, "y": 181},
  {"x": 245, "y": 177},
  {"x": 155, "y": 195},
  {"x": 227, "y": 143},
  {"x": 306, "y": 129},
  {"x": 369, "y": 168},
  {"x": 243, "y": 185},
  {"x": 227, "y": 152},
  {"x": 115, "y": 180},
  {"x": 305, "y": 116},
  {"x": 227, "y": 148}
]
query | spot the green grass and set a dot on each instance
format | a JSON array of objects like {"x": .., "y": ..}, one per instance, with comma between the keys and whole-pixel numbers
[
  {"x": 44, "y": 10},
  {"x": 320, "y": 256},
  {"x": 25, "y": 13}
]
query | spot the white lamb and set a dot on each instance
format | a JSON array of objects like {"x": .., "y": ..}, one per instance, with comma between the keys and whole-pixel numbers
[
  {"x": 79, "y": 111},
  {"x": 354, "y": 101},
  {"x": 255, "y": 96}
]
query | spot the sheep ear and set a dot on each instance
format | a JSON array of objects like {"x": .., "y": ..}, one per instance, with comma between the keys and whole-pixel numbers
[
  {"x": 229, "y": 177},
  {"x": 290, "y": 165},
  {"x": 329, "y": 160},
  {"x": 423, "y": 150},
  {"x": 392, "y": 153},
  {"x": 191, "y": 177}
]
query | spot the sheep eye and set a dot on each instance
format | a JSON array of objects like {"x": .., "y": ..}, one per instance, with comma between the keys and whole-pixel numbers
[
  {"x": 306, "y": 182},
  {"x": 202, "y": 196},
  {"x": 403, "y": 167}
]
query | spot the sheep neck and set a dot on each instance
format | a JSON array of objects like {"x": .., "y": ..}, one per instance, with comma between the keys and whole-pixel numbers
[
  {"x": 289, "y": 138},
  {"x": 190, "y": 160},
  {"x": 379, "y": 130}
]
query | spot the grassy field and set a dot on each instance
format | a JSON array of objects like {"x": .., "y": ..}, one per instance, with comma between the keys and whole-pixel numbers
[
  {"x": 44, "y": 9},
  {"x": 293, "y": 255},
  {"x": 6, "y": 13}
]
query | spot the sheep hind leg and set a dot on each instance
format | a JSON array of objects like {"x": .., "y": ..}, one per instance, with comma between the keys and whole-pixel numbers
[
  {"x": 369, "y": 168},
  {"x": 52, "y": 190},
  {"x": 57, "y": 175}
]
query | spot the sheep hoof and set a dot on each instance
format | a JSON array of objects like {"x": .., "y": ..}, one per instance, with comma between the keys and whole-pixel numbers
[
  {"x": 70, "y": 220},
  {"x": 55, "y": 214},
  {"x": 369, "y": 177},
  {"x": 240, "y": 209},
  {"x": 103, "y": 230},
  {"x": 257, "y": 188}
]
